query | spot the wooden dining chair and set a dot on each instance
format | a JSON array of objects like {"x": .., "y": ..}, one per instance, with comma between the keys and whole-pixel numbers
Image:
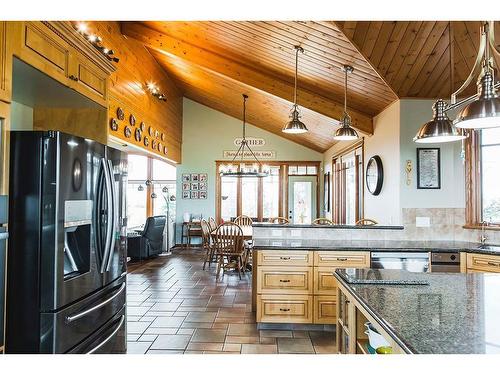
[
  {"x": 207, "y": 243},
  {"x": 228, "y": 245},
  {"x": 212, "y": 224},
  {"x": 279, "y": 220},
  {"x": 322, "y": 221},
  {"x": 243, "y": 221},
  {"x": 246, "y": 221},
  {"x": 366, "y": 222}
]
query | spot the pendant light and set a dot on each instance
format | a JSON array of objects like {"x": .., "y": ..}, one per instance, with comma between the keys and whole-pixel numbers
[
  {"x": 346, "y": 132},
  {"x": 295, "y": 126},
  {"x": 232, "y": 170},
  {"x": 481, "y": 110},
  {"x": 440, "y": 129}
]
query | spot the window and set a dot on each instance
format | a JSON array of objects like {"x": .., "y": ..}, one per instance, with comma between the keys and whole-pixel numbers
[
  {"x": 260, "y": 198},
  {"x": 347, "y": 185},
  {"x": 483, "y": 195},
  {"x": 144, "y": 200}
]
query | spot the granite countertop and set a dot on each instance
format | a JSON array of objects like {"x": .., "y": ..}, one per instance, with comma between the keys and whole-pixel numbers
[
  {"x": 373, "y": 245},
  {"x": 334, "y": 226},
  {"x": 452, "y": 314}
]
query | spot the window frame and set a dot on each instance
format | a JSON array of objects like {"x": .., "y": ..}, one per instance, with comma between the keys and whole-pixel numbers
[
  {"x": 473, "y": 183},
  {"x": 338, "y": 187},
  {"x": 283, "y": 187}
]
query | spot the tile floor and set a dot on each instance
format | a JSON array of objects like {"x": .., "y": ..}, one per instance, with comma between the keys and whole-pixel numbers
[{"x": 174, "y": 307}]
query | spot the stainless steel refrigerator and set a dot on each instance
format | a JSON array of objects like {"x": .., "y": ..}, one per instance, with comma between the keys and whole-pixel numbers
[{"x": 66, "y": 279}]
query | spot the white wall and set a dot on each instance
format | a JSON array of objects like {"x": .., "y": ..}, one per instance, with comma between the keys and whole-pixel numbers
[
  {"x": 414, "y": 113},
  {"x": 21, "y": 116},
  {"x": 384, "y": 142},
  {"x": 206, "y": 133}
]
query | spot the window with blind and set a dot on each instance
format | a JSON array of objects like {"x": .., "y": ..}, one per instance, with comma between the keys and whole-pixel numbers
[{"x": 347, "y": 187}]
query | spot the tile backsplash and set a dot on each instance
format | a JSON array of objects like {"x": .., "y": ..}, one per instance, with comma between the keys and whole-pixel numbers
[{"x": 434, "y": 224}]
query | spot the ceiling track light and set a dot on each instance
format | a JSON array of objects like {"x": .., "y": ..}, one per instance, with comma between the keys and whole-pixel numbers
[
  {"x": 96, "y": 41},
  {"x": 480, "y": 111},
  {"x": 346, "y": 132},
  {"x": 232, "y": 170},
  {"x": 155, "y": 91},
  {"x": 295, "y": 126}
]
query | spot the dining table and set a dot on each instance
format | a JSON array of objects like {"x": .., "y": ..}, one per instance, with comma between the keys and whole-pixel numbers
[{"x": 247, "y": 232}]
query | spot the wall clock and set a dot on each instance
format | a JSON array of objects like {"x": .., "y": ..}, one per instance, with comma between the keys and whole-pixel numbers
[{"x": 374, "y": 175}]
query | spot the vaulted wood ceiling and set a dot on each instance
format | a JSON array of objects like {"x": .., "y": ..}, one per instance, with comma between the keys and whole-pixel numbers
[{"x": 213, "y": 63}]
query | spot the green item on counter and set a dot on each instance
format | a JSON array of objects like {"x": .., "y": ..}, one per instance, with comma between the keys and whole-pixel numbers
[{"x": 384, "y": 350}]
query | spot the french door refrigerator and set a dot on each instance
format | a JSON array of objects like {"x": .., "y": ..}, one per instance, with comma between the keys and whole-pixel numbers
[{"x": 66, "y": 279}]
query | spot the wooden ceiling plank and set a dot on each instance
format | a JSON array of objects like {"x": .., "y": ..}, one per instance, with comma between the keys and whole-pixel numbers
[
  {"x": 434, "y": 39},
  {"x": 234, "y": 70},
  {"x": 391, "y": 47},
  {"x": 381, "y": 43},
  {"x": 412, "y": 54},
  {"x": 350, "y": 28},
  {"x": 361, "y": 32},
  {"x": 371, "y": 38},
  {"x": 441, "y": 68}
]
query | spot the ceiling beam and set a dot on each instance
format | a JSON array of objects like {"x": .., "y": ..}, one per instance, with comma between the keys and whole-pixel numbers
[{"x": 265, "y": 82}]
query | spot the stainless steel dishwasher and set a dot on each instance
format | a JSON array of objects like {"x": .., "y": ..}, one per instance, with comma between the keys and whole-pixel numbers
[{"x": 401, "y": 260}]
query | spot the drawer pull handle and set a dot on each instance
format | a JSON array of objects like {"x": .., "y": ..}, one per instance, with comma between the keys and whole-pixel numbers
[
  {"x": 493, "y": 264},
  {"x": 73, "y": 78},
  {"x": 342, "y": 259},
  {"x": 284, "y": 281},
  {"x": 284, "y": 310},
  {"x": 285, "y": 258}
]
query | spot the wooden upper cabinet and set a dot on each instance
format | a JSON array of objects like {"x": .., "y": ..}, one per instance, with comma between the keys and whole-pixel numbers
[
  {"x": 5, "y": 64},
  {"x": 58, "y": 50}
]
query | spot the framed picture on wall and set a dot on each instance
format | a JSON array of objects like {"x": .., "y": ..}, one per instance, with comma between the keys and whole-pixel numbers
[
  {"x": 202, "y": 195},
  {"x": 186, "y": 195},
  {"x": 203, "y": 177},
  {"x": 186, "y": 177},
  {"x": 195, "y": 177},
  {"x": 194, "y": 195},
  {"x": 195, "y": 186},
  {"x": 186, "y": 186},
  {"x": 326, "y": 189},
  {"x": 428, "y": 168},
  {"x": 203, "y": 186}
]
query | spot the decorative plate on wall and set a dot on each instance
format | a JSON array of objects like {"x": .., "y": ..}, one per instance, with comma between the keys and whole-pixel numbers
[
  {"x": 153, "y": 144},
  {"x": 142, "y": 126},
  {"x": 146, "y": 141},
  {"x": 163, "y": 137},
  {"x": 131, "y": 119},
  {"x": 127, "y": 131},
  {"x": 157, "y": 133},
  {"x": 160, "y": 147},
  {"x": 165, "y": 150},
  {"x": 113, "y": 124},
  {"x": 151, "y": 131},
  {"x": 374, "y": 175},
  {"x": 120, "y": 113},
  {"x": 138, "y": 135}
]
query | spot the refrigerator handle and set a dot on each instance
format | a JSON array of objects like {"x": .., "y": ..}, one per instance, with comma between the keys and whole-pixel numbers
[
  {"x": 115, "y": 331},
  {"x": 114, "y": 216},
  {"x": 110, "y": 220}
]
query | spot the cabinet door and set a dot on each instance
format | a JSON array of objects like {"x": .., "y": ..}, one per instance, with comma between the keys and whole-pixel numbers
[
  {"x": 284, "y": 308},
  {"x": 284, "y": 280},
  {"x": 325, "y": 282},
  {"x": 325, "y": 309},
  {"x": 88, "y": 79},
  {"x": 483, "y": 262},
  {"x": 43, "y": 49},
  {"x": 5, "y": 64}
]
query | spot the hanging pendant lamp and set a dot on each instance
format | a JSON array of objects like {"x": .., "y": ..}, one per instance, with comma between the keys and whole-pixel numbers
[
  {"x": 232, "y": 169},
  {"x": 440, "y": 129},
  {"x": 295, "y": 126},
  {"x": 346, "y": 132},
  {"x": 481, "y": 110}
]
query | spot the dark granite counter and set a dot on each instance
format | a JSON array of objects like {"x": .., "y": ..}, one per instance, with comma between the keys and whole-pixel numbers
[
  {"x": 452, "y": 314},
  {"x": 335, "y": 226},
  {"x": 364, "y": 245}
]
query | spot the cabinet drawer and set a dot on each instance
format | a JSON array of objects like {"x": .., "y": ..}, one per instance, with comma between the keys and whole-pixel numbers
[
  {"x": 481, "y": 262},
  {"x": 284, "y": 309},
  {"x": 280, "y": 280},
  {"x": 284, "y": 258},
  {"x": 325, "y": 309},
  {"x": 325, "y": 282},
  {"x": 342, "y": 259},
  {"x": 89, "y": 79},
  {"x": 45, "y": 50}
]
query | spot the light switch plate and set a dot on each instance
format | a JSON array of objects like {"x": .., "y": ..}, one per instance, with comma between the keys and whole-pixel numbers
[
  {"x": 422, "y": 221},
  {"x": 276, "y": 233},
  {"x": 296, "y": 233}
]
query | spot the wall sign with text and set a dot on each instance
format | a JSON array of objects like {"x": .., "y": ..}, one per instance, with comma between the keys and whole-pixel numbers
[
  {"x": 251, "y": 141},
  {"x": 229, "y": 154}
]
